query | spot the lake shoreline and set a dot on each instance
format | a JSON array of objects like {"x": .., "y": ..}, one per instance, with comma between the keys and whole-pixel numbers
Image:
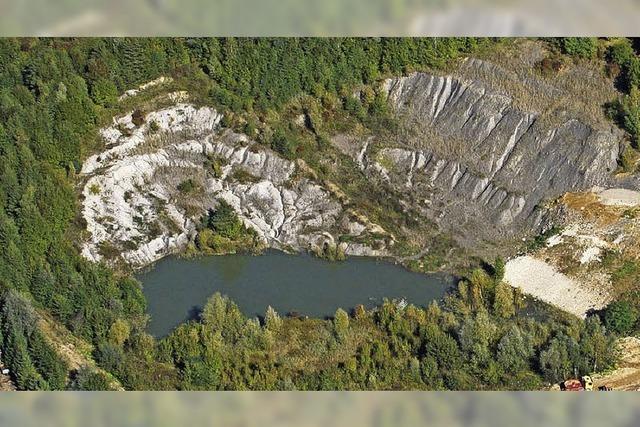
[{"x": 176, "y": 287}]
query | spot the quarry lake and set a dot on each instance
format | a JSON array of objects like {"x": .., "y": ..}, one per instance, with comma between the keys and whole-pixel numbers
[{"x": 177, "y": 288}]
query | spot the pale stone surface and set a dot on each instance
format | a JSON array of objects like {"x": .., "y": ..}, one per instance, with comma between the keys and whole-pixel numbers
[
  {"x": 132, "y": 204},
  {"x": 541, "y": 280},
  {"x": 619, "y": 197},
  {"x": 133, "y": 92}
]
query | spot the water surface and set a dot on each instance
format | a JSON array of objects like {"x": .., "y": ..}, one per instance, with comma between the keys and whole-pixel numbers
[{"x": 177, "y": 288}]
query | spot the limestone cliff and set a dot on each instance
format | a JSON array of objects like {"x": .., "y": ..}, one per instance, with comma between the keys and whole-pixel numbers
[{"x": 135, "y": 209}]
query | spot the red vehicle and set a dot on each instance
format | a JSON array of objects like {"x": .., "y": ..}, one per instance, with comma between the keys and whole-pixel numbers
[{"x": 585, "y": 383}]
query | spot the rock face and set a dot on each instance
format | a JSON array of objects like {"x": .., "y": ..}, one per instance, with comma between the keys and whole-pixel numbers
[
  {"x": 480, "y": 167},
  {"x": 135, "y": 208},
  {"x": 478, "y": 161}
]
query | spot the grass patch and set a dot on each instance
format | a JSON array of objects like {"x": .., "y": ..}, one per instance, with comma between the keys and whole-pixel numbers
[
  {"x": 625, "y": 275},
  {"x": 188, "y": 186},
  {"x": 243, "y": 176},
  {"x": 539, "y": 241}
]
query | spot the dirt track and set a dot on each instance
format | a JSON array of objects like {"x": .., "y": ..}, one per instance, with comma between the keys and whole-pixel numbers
[{"x": 627, "y": 375}]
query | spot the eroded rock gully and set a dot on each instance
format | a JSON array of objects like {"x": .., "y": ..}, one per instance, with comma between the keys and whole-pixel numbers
[
  {"x": 133, "y": 205},
  {"x": 476, "y": 164}
]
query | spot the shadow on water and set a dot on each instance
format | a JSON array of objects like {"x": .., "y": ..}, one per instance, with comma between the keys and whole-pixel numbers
[
  {"x": 301, "y": 285},
  {"x": 194, "y": 313}
]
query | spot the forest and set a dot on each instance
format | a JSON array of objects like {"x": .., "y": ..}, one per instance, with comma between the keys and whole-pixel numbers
[{"x": 55, "y": 93}]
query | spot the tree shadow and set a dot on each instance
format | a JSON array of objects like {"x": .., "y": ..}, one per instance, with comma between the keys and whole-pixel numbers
[
  {"x": 194, "y": 313},
  {"x": 596, "y": 312}
]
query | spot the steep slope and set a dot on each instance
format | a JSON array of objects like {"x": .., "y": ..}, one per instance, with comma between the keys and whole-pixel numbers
[
  {"x": 138, "y": 208},
  {"x": 591, "y": 260},
  {"x": 479, "y": 154},
  {"x": 476, "y": 163}
]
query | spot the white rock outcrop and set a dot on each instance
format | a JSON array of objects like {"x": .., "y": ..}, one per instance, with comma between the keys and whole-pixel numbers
[
  {"x": 134, "y": 209},
  {"x": 133, "y": 92}
]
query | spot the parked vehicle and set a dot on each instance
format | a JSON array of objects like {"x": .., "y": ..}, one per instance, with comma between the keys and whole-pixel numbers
[{"x": 583, "y": 384}]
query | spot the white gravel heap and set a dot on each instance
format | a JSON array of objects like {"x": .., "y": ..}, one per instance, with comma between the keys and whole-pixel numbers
[{"x": 541, "y": 280}]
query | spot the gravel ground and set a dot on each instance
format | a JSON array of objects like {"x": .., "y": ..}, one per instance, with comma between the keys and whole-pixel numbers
[
  {"x": 541, "y": 280},
  {"x": 619, "y": 197}
]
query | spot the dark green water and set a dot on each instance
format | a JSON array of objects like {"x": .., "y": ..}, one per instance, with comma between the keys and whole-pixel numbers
[{"x": 176, "y": 289}]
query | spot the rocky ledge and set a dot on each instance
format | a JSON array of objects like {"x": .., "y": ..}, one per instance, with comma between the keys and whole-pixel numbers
[{"x": 138, "y": 208}]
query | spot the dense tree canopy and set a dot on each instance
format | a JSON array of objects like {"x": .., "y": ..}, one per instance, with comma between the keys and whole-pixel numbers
[{"x": 463, "y": 343}]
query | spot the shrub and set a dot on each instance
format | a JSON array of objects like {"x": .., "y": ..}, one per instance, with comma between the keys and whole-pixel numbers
[
  {"x": 119, "y": 332},
  {"x": 582, "y": 47},
  {"x": 208, "y": 241},
  {"x": 503, "y": 301},
  {"x": 627, "y": 159},
  {"x": 631, "y": 75},
  {"x": 272, "y": 320},
  {"x": 620, "y": 317},
  {"x": 283, "y": 144},
  {"x": 137, "y": 117},
  {"x": 109, "y": 356},
  {"x": 629, "y": 115},
  {"x": 621, "y": 53},
  {"x": 104, "y": 93},
  {"x": 224, "y": 221},
  {"x": 549, "y": 66},
  {"x": 214, "y": 165},
  {"x": 188, "y": 186},
  {"x": 243, "y": 176},
  {"x": 89, "y": 379},
  {"x": 498, "y": 269},
  {"x": 340, "y": 323}
]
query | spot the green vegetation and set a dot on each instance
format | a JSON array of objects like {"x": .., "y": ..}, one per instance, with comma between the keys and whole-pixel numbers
[
  {"x": 48, "y": 116},
  {"x": 332, "y": 252},
  {"x": 582, "y": 47},
  {"x": 90, "y": 379},
  {"x": 243, "y": 176},
  {"x": 224, "y": 221},
  {"x": 624, "y": 65},
  {"x": 629, "y": 114},
  {"x": 215, "y": 167},
  {"x": 188, "y": 186},
  {"x": 540, "y": 240},
  {"x": 625, "y": 276},
  {"x": 620, "y": 317},
  {"x": 94, "y": 189},
  {"x": 222, "y": 232},
  {"x": 54, "y": 93},
  {"x": 473, "y": 340},
  {"x": 25, "y": 350}
]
